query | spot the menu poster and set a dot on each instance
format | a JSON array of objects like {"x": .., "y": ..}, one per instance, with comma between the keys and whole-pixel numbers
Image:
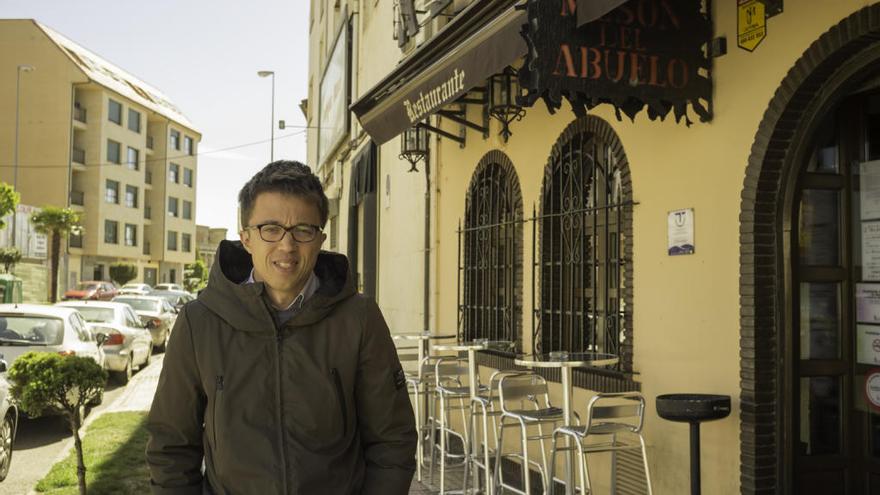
[
  {"x": 869, "y": 190},
  {"x": 680, "y": 232},
  {"x": 871, "y": 251},
  {"x": 868, "y": 303}
]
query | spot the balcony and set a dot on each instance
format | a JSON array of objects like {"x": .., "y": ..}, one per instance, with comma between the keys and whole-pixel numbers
[
  {"x": 78, "y": 155},
  {"x": 150, "y": 143},
  {"x": 148, "y": 178},
  {"x": 77, "y": 198},
  {"x": 148, "y": 212},
  {"x": 146, "y": 248},
  {"x": 79, "y": 113}
]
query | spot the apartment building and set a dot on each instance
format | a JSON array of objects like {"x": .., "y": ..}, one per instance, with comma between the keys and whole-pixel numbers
[
  {"x": 95, "y": 138},
  {"x": 207, "y": 240}
]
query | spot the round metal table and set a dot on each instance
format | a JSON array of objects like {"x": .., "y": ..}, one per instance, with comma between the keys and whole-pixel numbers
[{"x": 565, "y": 361}]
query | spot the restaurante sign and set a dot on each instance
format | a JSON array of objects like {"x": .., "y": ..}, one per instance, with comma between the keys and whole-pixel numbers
[{"x": 643, "y": 54}]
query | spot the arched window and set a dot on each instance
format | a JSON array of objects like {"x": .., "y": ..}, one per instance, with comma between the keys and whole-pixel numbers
[
  {"x": 491, "y": 244},
  {"x": 584, "y": 273}
]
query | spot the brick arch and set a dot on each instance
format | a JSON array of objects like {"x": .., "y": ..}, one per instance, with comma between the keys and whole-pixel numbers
[{"x": 829, "y": 69}]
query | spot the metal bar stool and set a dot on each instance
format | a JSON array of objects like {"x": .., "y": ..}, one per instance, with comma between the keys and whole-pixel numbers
[
  {"x": 420, "y": 387},
  {"x": 619, "y": 416},
  {"x": 486, "y": 406},
  {"x": 525, "y": 402},
  {"x": 451, "y": 384}
]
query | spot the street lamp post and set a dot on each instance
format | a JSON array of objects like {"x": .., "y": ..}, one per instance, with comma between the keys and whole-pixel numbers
[
  {"x": 21, "y": 68},
  {"x": 267, "y": 73}
]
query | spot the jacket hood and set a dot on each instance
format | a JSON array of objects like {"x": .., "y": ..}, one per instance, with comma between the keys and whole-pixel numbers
[{"x": 245, "y": 307}]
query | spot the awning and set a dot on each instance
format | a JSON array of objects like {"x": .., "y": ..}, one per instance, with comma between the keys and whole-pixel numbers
[
  {"x": 590, "y": 10},
  {"x": 482, "y": 40}
]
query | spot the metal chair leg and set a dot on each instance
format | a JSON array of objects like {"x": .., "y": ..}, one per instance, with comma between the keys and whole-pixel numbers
[
  {"x": 645, "y": 462},
  {"x": 527, "y": 482}
]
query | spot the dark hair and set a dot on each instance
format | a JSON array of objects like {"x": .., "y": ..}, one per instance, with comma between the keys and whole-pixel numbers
[{"x": 288, "y": 177}]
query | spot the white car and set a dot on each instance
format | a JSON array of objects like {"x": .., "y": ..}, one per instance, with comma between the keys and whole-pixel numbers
[
  {"x": 8, "y": 423},
  {"x": 136, "y": 289},
  {"x": 129, "y": 343},
  {"x": 34, "y": 327},
  {"x": 169, "y": 287}
]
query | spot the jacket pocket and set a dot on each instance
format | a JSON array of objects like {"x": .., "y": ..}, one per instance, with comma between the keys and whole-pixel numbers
[
  {"x": 340, "y": 395},
  {"x": 218, "y": 394}
]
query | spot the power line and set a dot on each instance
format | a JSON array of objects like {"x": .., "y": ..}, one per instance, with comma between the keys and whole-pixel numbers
[{"x": 201, "y": 153}]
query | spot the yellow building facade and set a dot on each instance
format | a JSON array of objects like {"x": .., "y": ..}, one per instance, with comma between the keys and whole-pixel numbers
[
  {"x": 771, "y": 298},
  {"x": 95, "y": 138}
]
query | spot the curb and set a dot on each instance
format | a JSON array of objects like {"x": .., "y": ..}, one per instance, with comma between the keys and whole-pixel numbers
[{"x": 136, "y": 380}]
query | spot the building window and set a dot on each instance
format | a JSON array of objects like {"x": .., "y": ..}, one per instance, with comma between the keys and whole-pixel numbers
[
  {"x": 114, "y": 152},
  {"x": 175, "y": 140},
  {"x": 134, "y": 120},
  {"x": 188, "y": 177},
  {"x": 492, "y": 245},
  {"x": 114, "y": 112},
  {"x": 111, "y": 232},
  {"x": 130, "y": 235},
  {"x": 174, "y": 173},
  {"x": 132, "y": 159},
  {"x": 187, "y": 210},
  {"x": 111, "y": 193},
  {"x": 584, "y": 234},
  {"x": 172, "y": 206},
  {"x": 186, "y": 242},
  {"x": 172, "y": 240},
  {"x": 188, "y": 145},
  {"x": 131, "y": 196}
]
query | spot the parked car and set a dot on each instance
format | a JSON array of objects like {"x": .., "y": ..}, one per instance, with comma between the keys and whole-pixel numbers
[
  {"x": 9, "y": 425},
  {"x": 136, "y": 289},
  {"x": 155, "y": 312},
  {"x": 174, "y": 297},
  {"x": 34, "y": 327},
  {"x": 95, "y": 289},
  {"x": 169, "y": 287},
  {"x": 129, "y": 342}
]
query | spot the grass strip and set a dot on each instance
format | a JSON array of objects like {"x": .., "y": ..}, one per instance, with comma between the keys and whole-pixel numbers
[{"x": 113, "y": 450}]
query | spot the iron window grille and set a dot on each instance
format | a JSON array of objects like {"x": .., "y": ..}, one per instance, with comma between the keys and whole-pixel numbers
[
  {"x": 490, "y": 247},
  {"x": 582, "y": 245}
]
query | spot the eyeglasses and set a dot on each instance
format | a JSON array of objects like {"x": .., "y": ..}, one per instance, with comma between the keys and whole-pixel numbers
[{"x": 272, "y": 232}]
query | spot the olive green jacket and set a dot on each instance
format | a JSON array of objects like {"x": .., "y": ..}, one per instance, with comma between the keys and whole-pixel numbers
[{"x": 317, "y": 405}]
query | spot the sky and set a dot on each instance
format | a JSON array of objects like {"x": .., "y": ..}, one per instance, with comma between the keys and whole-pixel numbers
[{"x": 204, "y": 55}]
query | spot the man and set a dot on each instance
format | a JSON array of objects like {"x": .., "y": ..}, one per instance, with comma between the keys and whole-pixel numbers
[{"x": 280, "y": 376}]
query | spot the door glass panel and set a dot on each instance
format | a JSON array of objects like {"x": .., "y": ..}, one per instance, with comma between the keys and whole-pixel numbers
[
  {"x": 824, "y": 158},
  {"x": 872, "y": 132},
  {"x": 820, "y": 320},
  {"x": 820, "y": 415},
  {"x": 819, "y": 227},
  {"x": 875, "y": 434}
]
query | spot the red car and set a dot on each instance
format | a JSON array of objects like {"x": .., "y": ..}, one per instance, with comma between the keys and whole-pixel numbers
[{"x": 95, "y": 289}]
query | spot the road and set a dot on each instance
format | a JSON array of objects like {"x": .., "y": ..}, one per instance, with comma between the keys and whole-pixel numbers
[{"x": 40, "y": 442}]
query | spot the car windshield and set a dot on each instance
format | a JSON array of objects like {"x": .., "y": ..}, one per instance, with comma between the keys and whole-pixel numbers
[
  {"x": 30, "y": 330},
  {"x": 87, "y": 287},
  {"x": 140, "y": 304},
  {"x": 96, "y": 315},
  {"x": 131, "y": 286}
]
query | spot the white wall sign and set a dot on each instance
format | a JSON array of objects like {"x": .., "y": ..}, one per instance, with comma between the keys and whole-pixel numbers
[
  {"x": 868, "y": 344},
  {"x": 868, "y": 303},
  {"x": 869, "y": 196},
  {"x": 871, "y": 251},
  {"x": 680, "y": 232}
]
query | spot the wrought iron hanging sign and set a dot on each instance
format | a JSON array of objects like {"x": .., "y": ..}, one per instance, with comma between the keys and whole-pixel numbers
[{"x": 645, "y": 54}]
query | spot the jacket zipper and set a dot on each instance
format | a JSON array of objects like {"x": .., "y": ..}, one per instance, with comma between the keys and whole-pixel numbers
[
  {"x": 341, "y": 396},
  {"x": 218, "y": 389},
  {"x": 281, "y": 428}
]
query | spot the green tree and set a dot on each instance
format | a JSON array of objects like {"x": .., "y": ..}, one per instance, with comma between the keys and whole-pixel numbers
[
  {"x": 46, "y": 380},
  {"x": 195, "y": 275},
  {"x": 9, "y": 256},
  {"x": 122, "y": 273},
  {"x": 58, "y": 222},
  {"x": 9, "y": 199}
]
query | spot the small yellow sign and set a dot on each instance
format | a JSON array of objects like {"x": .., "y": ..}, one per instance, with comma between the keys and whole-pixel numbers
[{"x": 751, "y": 24}]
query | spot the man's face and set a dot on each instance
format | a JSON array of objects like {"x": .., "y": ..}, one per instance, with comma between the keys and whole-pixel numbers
[{"x": 284, "y": 266}]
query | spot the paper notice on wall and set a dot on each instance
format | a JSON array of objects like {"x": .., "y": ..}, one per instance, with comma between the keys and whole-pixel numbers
[
  {"x": 869, "y": 190},
  {"x": 871, "y": 251},
  {"x": 868, "y": 344},
  {"x": 868, "y": 303}
]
